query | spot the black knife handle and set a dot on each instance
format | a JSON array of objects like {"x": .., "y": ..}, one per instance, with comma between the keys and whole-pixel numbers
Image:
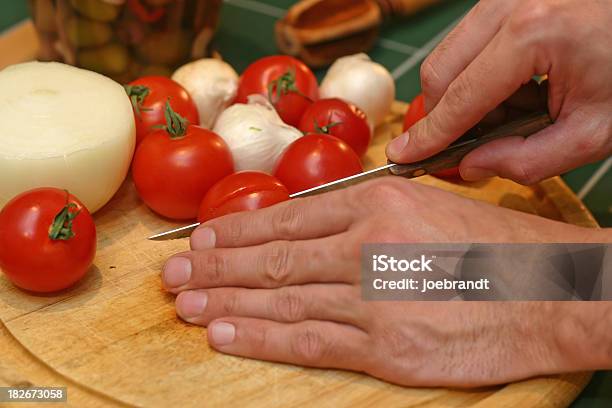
[{"x": 451, "y": 156}]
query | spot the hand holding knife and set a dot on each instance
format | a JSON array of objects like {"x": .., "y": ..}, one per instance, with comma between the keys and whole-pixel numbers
[{"x": 450, "y": 157}]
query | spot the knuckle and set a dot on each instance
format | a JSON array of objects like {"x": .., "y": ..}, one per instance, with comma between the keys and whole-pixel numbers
[
  {"x": 235, "y": 230},
  {"x": 308, "y": 346},
  {"x": 523, "y": 175},
  {"x": 230, "y": 304},
  {"x": 531, "y": 15},
  {"x": 387, "y": 189},
  {"x": 258, "y": 337},
  {"x": 457, "y": 96},
  {"x": 429, "y": 74},
  {"x": 276, "y": 264},
  {"x": 287, "y": 220},
  {"x": 213, "y": 267},
  {"x": 288, "y": 306}
]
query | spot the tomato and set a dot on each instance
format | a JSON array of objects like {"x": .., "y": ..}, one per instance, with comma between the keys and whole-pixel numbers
[
  {"x": 47, "y": 240},
  {"x": 173, "y": 168},
  {"x": 416, "y": 112},
  {"x": 242, "y": 191},
  {"x": 287, "y": 82},
  {"x": 316, "y": 159},
  {"x": 149, "y": 95},
  {"x": 341, "y": 119}
]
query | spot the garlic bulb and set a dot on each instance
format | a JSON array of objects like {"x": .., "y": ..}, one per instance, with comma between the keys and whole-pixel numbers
[
  {"x": 212, "y": 84},
  {"x": 255, "y": 134},
  {"x": 363, "y": 82}
]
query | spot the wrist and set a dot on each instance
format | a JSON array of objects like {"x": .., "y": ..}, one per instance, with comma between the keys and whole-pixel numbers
[{"x": 582, "y": 335}]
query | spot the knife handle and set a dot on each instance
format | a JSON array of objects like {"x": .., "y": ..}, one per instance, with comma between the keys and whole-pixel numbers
[{"x": 475, "y": 137}]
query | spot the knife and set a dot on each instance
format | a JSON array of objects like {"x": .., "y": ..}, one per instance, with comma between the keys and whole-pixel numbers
[{"x": 524, "y": 126}]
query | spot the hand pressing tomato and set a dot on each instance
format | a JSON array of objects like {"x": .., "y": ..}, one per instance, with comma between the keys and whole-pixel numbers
[
  {"x": 338, "y": 118},
  {"x": 149, "y": 95},
  {"x": 316, "y": 159},
  {"x": 242, "y": 191},
  {"x": 416, "y": 112},
  {"x": 287, "y": 82},
  {"x": 47, "y": 240},
  {"x": 173, "y": 168}
]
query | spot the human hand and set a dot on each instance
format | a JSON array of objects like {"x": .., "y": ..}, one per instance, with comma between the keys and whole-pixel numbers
[
  {"x": 497, "y": 47},
  {"x": 282, "y": 284}
]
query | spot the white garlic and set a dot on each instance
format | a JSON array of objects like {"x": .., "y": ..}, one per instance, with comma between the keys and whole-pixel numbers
[
  {"x": 212, "y": 84},
  {"x": 363, "y": 82}
]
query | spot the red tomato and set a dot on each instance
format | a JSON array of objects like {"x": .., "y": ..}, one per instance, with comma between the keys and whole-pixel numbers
[
  {"x": 416, "y": 112},
  {"x": 341, "y": 119},
  {"x": 173, "y": 168},
  {"x": 242, "y": 191},
  {"x": 287, "y": 82},
  {"x": 47, "y": 240},
  {"x": 316, "y": 159},
  {"x": 149, "y": 95}
]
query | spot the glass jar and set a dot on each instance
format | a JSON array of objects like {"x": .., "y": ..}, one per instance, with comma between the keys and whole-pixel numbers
[{"x": 125, "y": 39}]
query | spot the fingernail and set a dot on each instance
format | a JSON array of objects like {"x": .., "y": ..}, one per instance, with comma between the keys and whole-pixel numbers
[
  {"x": 202, "y": 238},
  {"x": 477, "y": 173},
  {"x": 397, "y": 145},
  {"x": 191, "y": 303},
  {"x": 222, "y": 333},
  {"x": 177, "y": 272}
]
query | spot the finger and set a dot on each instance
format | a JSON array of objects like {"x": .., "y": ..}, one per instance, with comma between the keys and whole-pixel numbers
[
  {"x": 303, "y": 218},
  {"x": 460, "y": 47},
  {"x": 548, "y": 153},
  {"x": 331, "y": 302},
  {"x": 309, "y": 343},
  {"x": 489, "y": 79},
  {"x": 271, "y": 265}
]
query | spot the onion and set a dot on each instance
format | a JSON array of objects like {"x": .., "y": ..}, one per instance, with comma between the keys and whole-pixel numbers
[
  {"x": 363, "y": 82},
  {"x": 255, "y": 134},
  {"x": 63, "y": 127},
  {"x": 211, "y": 83}
]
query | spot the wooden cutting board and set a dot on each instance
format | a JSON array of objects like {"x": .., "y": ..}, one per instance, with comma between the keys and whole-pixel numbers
[{"x": 114, "y": 339}]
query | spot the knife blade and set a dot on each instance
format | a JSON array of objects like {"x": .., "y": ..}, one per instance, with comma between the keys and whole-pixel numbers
[{"x": 448, "y": 158}]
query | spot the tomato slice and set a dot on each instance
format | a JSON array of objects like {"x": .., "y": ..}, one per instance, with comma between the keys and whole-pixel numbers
[
  {"x": 316, "y": 159},
  {"x": 242, "y": 191}
]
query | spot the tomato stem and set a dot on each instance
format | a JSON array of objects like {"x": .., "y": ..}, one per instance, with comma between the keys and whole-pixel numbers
[
  {"x": 325, "y": 128},
  {"x": 176, "y": 125},
  {"x": 137, "y": 95},
  {"x": 282, "y": 86},
  {"x": 61, "y": 228}
]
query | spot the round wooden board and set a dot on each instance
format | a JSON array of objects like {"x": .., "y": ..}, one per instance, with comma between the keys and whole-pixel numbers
[{"x": 114, "y": 339}]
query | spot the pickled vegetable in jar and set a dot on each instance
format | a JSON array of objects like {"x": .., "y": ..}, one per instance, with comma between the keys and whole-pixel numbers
[{"x": 125, "y": 39}]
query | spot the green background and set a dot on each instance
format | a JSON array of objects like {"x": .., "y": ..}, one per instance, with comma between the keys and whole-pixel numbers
[{"x": 245, "y": 34}]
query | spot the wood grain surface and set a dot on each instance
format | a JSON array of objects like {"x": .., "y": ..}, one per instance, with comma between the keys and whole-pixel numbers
[{"x": 114, "y": 339}]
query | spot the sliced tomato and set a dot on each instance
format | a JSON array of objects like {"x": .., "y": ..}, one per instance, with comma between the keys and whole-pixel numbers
[{"x": 242, "y": 191}]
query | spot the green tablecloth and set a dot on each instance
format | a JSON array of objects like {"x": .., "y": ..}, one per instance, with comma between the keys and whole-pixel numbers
[{"x": 246, "y": 34}]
